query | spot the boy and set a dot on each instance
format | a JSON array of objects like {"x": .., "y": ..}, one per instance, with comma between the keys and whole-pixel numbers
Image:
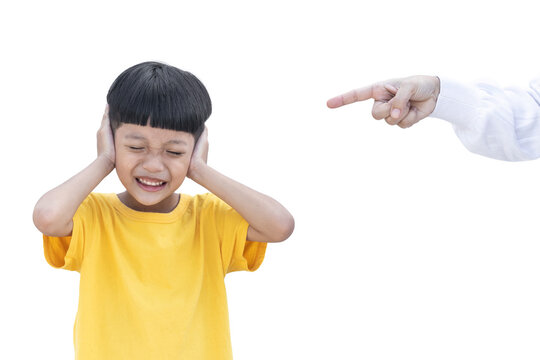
[{"x": 152, "y": 262}]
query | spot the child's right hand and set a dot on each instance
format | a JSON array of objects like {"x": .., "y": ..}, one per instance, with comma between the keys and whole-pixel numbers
[
  {"x": 401, "y": 102},
  {"x": 105, "y": 139}
]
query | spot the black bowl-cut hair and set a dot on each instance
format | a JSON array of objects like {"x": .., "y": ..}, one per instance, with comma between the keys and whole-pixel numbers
[{"x": 167, "y": 96}]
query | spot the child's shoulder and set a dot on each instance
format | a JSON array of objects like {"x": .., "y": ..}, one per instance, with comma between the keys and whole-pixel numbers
[
  {"x": 95, "y": 204},
  {"x": 101, "y": 197},
  {"x": 101, "y": 201},
  {"x": 205, "y": 204},
  {"x": 94, "y": 200},
  {"x": 202, "y": 200}
]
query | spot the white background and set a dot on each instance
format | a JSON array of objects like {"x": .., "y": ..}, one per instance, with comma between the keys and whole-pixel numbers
[{"x": 406, "y": 245}]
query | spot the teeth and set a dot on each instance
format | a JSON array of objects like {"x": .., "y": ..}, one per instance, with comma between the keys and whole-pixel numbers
[{"x": 151, "y": 183}]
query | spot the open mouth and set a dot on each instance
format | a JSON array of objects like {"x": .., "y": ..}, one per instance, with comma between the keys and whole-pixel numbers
[{"x": 151, "y": 185}]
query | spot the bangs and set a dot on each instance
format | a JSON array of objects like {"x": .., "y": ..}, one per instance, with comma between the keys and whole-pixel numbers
[{"x": 169, "y": 97}]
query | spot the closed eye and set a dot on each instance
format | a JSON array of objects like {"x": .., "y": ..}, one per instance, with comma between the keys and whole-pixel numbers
[
  {"x": 135, "y": 148},
  {"x": 175, "y": 153}
]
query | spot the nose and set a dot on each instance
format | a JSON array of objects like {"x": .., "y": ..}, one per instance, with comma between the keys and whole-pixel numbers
[{"x": 152, "y": 163}]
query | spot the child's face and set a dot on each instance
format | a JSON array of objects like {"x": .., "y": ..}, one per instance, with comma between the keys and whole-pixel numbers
[{"x": 152, "y": 163}]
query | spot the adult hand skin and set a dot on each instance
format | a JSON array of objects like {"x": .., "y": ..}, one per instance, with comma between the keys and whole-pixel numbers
[{"x": 401, "y": 102}]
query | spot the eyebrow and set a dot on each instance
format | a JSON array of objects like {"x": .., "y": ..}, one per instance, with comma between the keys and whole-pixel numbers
[
  {"x": 139, "y": 137},
  {"x": 176, "y": 142}
]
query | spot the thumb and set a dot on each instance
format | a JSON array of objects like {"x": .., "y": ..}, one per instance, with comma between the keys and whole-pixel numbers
[{"x": 400, "y": 101}]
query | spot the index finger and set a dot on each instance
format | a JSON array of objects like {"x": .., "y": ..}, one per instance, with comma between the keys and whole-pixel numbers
[
  {"x": 105, "y": 117},
  {"x": 350, "y": 97}
]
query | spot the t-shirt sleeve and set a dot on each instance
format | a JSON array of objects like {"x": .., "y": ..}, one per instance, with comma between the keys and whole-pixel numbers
[
  {"x": 67, "y": 252},
  {"x": 237, "y": 253}
]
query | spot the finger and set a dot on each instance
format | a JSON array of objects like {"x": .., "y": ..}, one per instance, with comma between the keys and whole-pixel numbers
[
  {"x": 391, "y": 88},
  {"x": 412, "y": 118},
  {"x": 395, "y": 117},
  {"x": 205, "y": 132},
  {"x": 392, "y": 121},
  {"x": 380, "y": 110},
  {"x": 105, "y": 118},
  {"x": 202, "y": 138},
  {"x": 350, "y": 97},
  {"x": 400, "y": 102},
  {"x": 203, "y": 144}
]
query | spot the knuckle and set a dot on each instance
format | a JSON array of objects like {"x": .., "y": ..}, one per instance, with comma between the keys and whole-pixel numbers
[
  {"x": 403, "y": 125},
  {"x": 377, "y": 115},
  {"x": 390, "y": 121},
  {"x": 409, "y": 122}
]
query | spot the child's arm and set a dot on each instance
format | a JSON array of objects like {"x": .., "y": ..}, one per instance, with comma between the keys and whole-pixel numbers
[
  {"x": 54, "y": 211},
  {"x": 268, "y": 220}
]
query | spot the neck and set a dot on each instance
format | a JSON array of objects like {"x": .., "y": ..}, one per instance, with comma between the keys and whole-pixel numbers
[{"x": 165, "y": 206}]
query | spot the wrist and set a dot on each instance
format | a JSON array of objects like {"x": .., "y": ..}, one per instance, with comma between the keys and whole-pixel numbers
[
  {"x": 198, "y": 172},
  {"x": 105, "y": 163}
]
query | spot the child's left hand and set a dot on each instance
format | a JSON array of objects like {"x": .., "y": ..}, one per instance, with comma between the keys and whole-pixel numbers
[
  {"x": 199, "y": 155},
  {"x": 268, "y": 220}
]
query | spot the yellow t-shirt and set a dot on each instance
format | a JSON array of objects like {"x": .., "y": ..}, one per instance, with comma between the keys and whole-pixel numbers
[{"x": 152, "y": 284}]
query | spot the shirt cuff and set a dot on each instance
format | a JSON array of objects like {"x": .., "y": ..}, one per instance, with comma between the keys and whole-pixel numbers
[
  {"x": 535, "y": 86},
  {"x": 457, "y": 103}
]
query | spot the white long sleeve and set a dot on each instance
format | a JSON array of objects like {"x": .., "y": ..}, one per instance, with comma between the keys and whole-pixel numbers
[{"x": 499, "y": 123}]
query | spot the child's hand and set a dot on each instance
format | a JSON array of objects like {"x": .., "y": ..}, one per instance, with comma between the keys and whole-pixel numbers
[
  {"x": 268, "y": 220},
  {"x": 199, "y": 156},
  {"x": 105, "y": 139},
  {"x": 401, "y": 102}
]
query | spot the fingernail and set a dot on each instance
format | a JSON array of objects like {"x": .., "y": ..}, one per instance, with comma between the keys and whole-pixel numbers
[
  {"x": 395, "y": 113},
  {"x": 332, "y": 103}
]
